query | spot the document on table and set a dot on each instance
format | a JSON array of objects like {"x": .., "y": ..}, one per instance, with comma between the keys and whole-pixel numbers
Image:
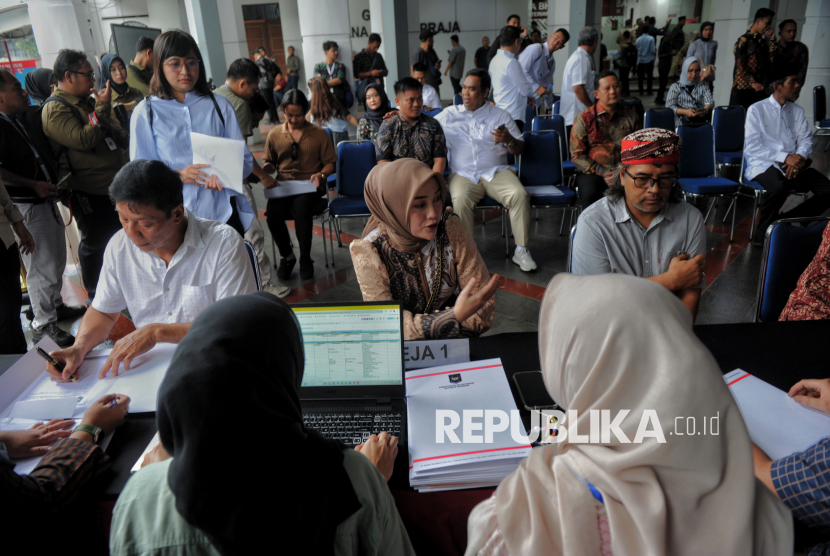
[
  {"x": 225, "y": 157},
  {"x": 777, "y": 424},
  {"x": 286, "y": 188}
]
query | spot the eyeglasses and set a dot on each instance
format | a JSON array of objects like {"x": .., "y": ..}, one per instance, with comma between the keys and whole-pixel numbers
[
  {"x": 295, "y": 151},
  {"x": 89, "y": 74},
  {"x": 664, "y": 182},
  {"x": 176, "y": 65}
]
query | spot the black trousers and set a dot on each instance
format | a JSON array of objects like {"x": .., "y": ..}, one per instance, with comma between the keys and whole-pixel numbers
[
  {"x": 663, "y": 81},
  {"x": 646, "y": 71},
  {"x": 778, "y": 186},
  {"x": 97, "y": 227},
  {"x": 456, "y": 85},
  {"x": 746, "y": 97},
  {"x": 624, "y": 75},
  {"x": 268, "y": 93},
  {"x": 11, "y": 299},
  {"x": 300, "y": 209},
  {"x": 591, "y": 188}
]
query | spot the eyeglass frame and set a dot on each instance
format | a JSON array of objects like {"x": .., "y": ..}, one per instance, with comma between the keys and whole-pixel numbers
[
  {"x": 651, "y": 181},
  {"x": 89, "y": 74},
  {"x": 186, "y": 63}
]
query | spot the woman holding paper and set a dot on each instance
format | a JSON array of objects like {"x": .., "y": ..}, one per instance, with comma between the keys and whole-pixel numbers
[
  {"x": 299, "y": 152},
  {"x": 613, "y": 343},
  {"x": 181, "y": 103},
  {"x": 414, "y": 251}
]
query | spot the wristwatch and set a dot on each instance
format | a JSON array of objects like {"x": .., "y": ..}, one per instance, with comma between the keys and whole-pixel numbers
[
  {"x": 90, "y": 429},
  {"x": 512, "y": 142}
]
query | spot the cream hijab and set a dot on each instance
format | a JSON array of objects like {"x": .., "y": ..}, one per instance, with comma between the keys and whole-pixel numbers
[{"x": 620, "y": 342}]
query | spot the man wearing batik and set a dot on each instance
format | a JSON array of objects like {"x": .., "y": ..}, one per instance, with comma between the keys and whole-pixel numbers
[
  {"x": 754, "y": 52},
  {"x": 790, "y": 53}
]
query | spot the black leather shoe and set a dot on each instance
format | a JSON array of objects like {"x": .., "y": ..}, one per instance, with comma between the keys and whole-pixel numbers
[
  {"x": 306, "y": 269},
  {"x": 60, "y": 337},
  {"x": 70, "y": 312},
  {"x": 286, "y": 266}
]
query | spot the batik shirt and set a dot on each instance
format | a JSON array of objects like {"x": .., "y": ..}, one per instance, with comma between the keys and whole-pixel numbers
[
  {"x": 596, "y": 137},
  {"x": 423, "y": 141},
  {"x": 753, "y": 60},
  {"x": 796, "y": 56},
  {"x": 811, "y": 298}
]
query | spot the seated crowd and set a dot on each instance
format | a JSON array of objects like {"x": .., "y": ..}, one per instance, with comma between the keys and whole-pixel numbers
[{"x": 172, "y": 255}]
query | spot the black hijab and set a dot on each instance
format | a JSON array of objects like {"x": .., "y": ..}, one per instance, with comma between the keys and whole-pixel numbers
[
  {"x": 703, "y": 26},
  {"x": 106, "y": 63},
  {"x": 39, "y": 84},
  {"x": 244, "y": 469},
  {"x": 375, "y": 117}
]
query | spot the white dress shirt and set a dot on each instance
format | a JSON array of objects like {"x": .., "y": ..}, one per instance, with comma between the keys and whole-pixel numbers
[
  {"x": 538, "y": 66},
  {"x": 578, "y": 71},
  {"x": 211, "y": 264},
  {"x": 510, "y": 87},
  {"x": 772, "y": 132},
  {"x": 472, "y": 152},
  {"x": 430, "y": 96}
]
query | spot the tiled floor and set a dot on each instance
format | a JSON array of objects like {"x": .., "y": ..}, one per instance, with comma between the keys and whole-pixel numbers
[{"x": 731, "y": 268}]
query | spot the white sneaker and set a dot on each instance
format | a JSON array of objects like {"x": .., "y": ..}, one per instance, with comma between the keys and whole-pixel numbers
[
  {"x": 279, "y": 291},
  {"x": 524, "y": 260}
]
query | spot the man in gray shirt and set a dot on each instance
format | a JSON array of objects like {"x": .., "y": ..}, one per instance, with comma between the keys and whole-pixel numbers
[
  {"x": 642, "y": 227},
  {"x": 292, "y": 64},
  {"x": 455, "y": 65}
]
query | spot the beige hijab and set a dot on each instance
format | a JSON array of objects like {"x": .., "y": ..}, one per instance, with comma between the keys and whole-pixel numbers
[
  {"x": 390, "y": 191},
  {"x": 619, "y": 342}
]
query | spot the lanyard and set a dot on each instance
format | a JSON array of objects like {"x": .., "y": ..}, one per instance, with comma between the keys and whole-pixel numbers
[{"x": 331, "y": 69}]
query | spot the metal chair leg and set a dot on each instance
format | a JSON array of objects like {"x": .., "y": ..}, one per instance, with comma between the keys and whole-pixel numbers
[
  {"x": 325, "y": 251},
  {"x": 706, "y": 218},
  {"x": 506, "y": 236},
  {"x": 537, "y": 215},
  {"x": 274, "y": 251},
  {"x": 729, "y": 208},
  {"x": 331, "y": 241},
  {"x": 562, "y": 224},
  {"x": 571, "y": 223},
  {"x": 754, "y": 213},
  {"x": 503, "y": 222},
  {"x": 337, "y": 231},
  {"x": 735, "y": 202}
]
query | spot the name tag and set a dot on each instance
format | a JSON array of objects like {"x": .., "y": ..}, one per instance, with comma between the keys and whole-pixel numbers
[
  {"x": 433, "y": 353},
  {"x": 110, "y": 143}
]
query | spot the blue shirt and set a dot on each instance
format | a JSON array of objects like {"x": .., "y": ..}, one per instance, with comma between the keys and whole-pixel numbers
[
  {"x": 645, "y": 49},
  {"x": 169, "y": 142}
]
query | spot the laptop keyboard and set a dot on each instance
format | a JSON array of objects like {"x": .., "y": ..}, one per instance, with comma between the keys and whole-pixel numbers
[{"x": 353, "y": 428}]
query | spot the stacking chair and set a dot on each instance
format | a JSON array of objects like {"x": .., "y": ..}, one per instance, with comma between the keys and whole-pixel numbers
[
  {"x": 788, "y": 251},
  {"x": 729, "y": 134},
  {"x": 555, "y": 122},
  {"x": 697, "y": 169},
  {"x": 556, "y": 106},
  {"x": 456, "y": 100},
  {"x": 663, "y": 119},
  {"x": 540, "y": 166},
  {"x": 432, "y": 113},
  {"x": 530, "y": 114},
  {"x": 355, "y": 159},
  {"x": 820, "y": 112},
  {"x": 757, "y": 193},
  {"x": 331, "y": 178}
]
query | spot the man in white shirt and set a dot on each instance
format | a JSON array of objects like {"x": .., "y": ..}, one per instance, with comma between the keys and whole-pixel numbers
[
  {"x": 165, "y": 266},
  {"x": 778, "y": 140},
  {"x": 479, "y": 136},
  {"x": 431, "y": 98},
  {"x": 578, "y": 79},
  {"x": 538, "y": 64},
  {"x": 510, "y": 87}
]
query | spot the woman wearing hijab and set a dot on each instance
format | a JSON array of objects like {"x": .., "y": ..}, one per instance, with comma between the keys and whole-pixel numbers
[
  {"x": 39, "y": 84},
  {"x": 414, "y": 251},
  {"x": 114, "y": 70},
  {"x": 304, "y": 492},
  {"x": 704, "y": 48},
  {"x": 690, "y": 98},
  {"x": 600, "y": 349},
  {"x": 377, "y": 106}
]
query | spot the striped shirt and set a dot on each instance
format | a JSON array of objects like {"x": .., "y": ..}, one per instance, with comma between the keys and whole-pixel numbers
[
  {"x": 314, "y": 149},
  {"x": 680, "y": 97}
]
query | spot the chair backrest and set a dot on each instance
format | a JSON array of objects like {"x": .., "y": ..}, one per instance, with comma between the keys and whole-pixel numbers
[
  {"x": 819, "y": 103},
  {"x": 663, "y": 119},
  {"x": 355, "y": 159},
  {"x": 331, "y": 135},
  {"x": 556, "y": 107},
  {"x": 554, "y": 122},
  {"x": 530, "y": 114},
  {"x": 540, "y": 163},
  {"x": 432, "y": 113},
  {"x": 788, "y": 251},
  {"x": 456, "y": 100},
  {"x": 697, "y": 156},
  {"x": 252, "y": 255},
  {"x": 571, "y": 249},
  {"x": 637, "y": 104},
  {"x": 729, "y": 128}
]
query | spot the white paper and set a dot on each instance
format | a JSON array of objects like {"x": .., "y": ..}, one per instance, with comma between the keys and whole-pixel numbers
[
  {"x": 777, "y": 424},
  {"x": 225, "y": 157},
  {"x": 146, "y": 451},
  {"x": 420, "y": 354},
  {"x": 543, "y": 190},
  {"x": 286, "y": 188},
  {"x": 44, "y": 409}
]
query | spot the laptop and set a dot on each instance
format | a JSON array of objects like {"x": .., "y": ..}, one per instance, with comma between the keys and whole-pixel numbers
[{"x": 353, "y": 381}]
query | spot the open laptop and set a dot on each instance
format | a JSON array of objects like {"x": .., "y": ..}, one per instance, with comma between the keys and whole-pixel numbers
[{"x": 353, "y": 383}]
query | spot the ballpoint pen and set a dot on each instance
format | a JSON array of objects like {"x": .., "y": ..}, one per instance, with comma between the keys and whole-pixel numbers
[{"x": 54, "y": 362}]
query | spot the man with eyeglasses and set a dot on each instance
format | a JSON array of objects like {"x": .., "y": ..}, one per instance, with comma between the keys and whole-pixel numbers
[
  {"x": 642, "y": 227},
  {"x": 79, "y": 129}
]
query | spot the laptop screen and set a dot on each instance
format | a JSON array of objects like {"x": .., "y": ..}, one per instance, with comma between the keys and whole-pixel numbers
[{"x": 352, "y": 344}]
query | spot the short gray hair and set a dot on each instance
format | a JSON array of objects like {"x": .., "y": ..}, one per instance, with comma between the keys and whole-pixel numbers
[{"x": 587, "y": 36}]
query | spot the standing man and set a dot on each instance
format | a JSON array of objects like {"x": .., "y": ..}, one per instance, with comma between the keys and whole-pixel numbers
[
  {"x": 664, "y": 61},
  {"x": 79, "y": 126},
  {"x": 480, "y": 60},
  {"x": 513, "y": 20},
  {"x": 754, "y": 54},
  {"x": 645, "y": 61},
  {"x": 427, "y": 56},
  {"x": 333, "y": 72},
  {"x": 479, "y": 136},
  {"x": 678, "y": 35},
  {"x": 653, "y": 30},
  {"x": 269, "y": 77},
  {"x": 140, "y": 71},
  {"x": 790, "y": 52},
  {"x": 240, "y": 85},
  {"x": 456, "y": 62},
  {"x": 29, "y": 173},
  {"x": 578, "y": 78},
  {"x": 538, "y": 65},
  {"x": 11, "y": 223},
  {"x": 368, "y": 63},
  {"x": 292, "y": 69},
  {"x": 510, "y": 87}
]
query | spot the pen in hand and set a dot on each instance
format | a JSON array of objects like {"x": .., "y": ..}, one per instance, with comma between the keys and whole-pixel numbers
[{"x": 54, "y": 362}]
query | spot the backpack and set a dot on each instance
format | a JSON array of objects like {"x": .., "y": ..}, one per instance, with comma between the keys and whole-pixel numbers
[
  {"x": 630, "y": 55},
  {"x": 34, "y": 127}
]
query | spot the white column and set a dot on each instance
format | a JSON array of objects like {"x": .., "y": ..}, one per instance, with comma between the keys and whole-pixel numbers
[
  {"x": 203, "y": 20},
  {"x": 814, "y": 35},
  {"x": 164, "y": 15},
  {"x": 389, "y": 20},
  {"x": 321, "y": 21},
  {"x": 59, "y": 24}
]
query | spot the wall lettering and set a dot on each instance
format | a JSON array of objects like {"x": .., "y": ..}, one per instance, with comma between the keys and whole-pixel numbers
[
  {"x": 451, "y": 27},
  {"x": 359, "y": 32}
]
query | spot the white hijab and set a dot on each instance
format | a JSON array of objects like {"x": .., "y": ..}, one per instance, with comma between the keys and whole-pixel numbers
[{"x": 619, "y": 342}]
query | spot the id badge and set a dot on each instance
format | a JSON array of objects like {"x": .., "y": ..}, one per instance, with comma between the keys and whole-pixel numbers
[{"x": 110, "y": 143}]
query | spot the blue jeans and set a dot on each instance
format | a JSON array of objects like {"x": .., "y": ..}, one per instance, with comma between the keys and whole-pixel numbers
[
  {"x": 278, "y": 97},
  {"x": 293, "y": 79}
]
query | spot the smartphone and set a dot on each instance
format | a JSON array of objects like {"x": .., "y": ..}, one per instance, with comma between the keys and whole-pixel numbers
[{"x": 532, "y": 391}]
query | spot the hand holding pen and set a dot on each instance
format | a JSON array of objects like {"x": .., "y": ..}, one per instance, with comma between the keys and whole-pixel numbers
[{"x": 63, "y": 364}]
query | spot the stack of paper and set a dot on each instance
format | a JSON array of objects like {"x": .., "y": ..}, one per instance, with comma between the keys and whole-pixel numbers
[
  {"x": 479, "y": 451},
  {"x": 777, "y": 424}
]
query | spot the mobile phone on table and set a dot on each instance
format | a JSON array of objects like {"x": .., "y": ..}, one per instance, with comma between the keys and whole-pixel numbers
[{"x": 532, "y": 391}]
